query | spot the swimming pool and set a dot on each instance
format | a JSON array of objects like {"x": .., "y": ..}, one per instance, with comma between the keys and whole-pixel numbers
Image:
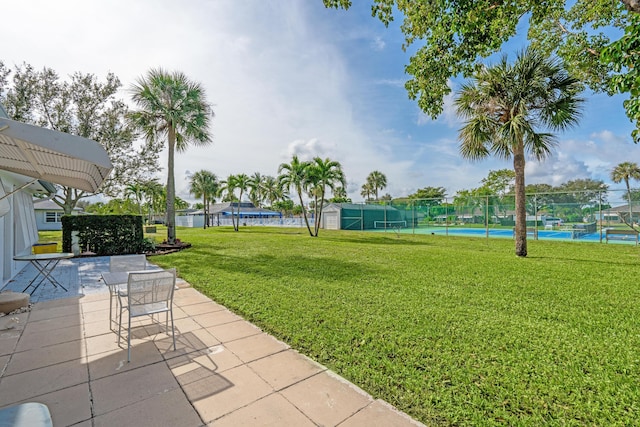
[{"x": 568, "y": 235}]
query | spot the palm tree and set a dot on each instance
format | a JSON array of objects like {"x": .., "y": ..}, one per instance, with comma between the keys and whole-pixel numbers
[
  {"x": 175, "y": 108},
  {"x": 377, "y": 181},
  {"x": 256, "y": 189},
  {"x": 322, "y": 174},
  {"x": 153, "y": 194},
  {"x": 626, "y": 171},
  {"x": 136, "y": 190},
  {"x": 229, "y": 186},
  {"x": 204, "y": 184},
  {"x": 503, "y": 107},
  {"x": 295, "y": 177},
  {"x": 272, "y": 190},
  {"x": 366, "y": 191}
]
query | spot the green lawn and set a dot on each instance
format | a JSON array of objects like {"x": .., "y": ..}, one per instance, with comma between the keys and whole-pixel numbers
[{"x": 453, "y": 331}]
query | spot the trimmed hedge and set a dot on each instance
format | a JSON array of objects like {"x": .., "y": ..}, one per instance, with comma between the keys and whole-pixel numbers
[{"x": 104, "y": 234}]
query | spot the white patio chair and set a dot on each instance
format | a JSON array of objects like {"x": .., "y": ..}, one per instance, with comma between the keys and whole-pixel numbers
[
  {"x": 148, "y": 293},
  {"x": 121, "y": 264}
]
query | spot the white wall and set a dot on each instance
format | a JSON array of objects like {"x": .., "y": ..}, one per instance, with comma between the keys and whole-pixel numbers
[{"x": 18, "y": 229}]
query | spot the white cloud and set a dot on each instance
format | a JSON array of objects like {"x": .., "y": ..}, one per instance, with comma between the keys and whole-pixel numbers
[{"x": 378, "y": 43}]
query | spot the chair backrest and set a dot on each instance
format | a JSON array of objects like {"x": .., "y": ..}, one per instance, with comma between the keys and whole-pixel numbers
[
  {"x": 152, "y": 286},
  {"x": 127, "y": 263}
]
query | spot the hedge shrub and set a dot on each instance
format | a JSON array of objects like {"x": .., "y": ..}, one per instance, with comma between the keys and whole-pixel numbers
[{"x": 104, "y": 234}]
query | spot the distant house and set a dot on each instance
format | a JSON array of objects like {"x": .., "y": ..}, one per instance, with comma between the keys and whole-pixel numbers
[
  {"x": 49, "y": 214},
  {"x": 220, "y": 214}
]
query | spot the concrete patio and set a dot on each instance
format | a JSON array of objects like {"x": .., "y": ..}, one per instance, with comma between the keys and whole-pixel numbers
[{"x": 225, "y": 371}]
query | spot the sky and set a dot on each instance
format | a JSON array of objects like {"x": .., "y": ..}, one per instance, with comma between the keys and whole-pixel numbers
[{"x": 289, "y": 77}]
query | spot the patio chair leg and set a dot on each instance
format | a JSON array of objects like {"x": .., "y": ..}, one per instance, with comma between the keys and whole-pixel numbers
[
  {"x": 173, "y": 330},
  {"x": 129, "y": 341}
]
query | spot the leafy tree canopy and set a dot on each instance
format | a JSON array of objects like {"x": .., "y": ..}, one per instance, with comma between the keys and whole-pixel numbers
[
  {"x": 84, "y": 106},
  {"x": 453, "y": 35}
]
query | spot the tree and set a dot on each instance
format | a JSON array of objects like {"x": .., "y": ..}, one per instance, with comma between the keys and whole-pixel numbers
[
  {"x": 229, "y": 187},
  {"x": 366, "y": 191},
  {"x": 83, "y": 106},
  {"x": 241, "y": 182},
  {"x": 204, "y": 184},
  {"x": 256, "y": 189},
  {"x": 174, "y": 108},
  {"x": 626, "y": 171},
  {"x": 323, "y": 174},
  {"x": 340, "y": 196},
  {"x": 136, "y": 190},
  {"x": 377, "y": 181},
  {"x": 503, "y": 106},
  {"x": 273, "y": 191},
  {"x": 154, "y": 194},
  {"x": 294, "y": 176},
  {"x": 456, "y": 34},
  {"x": 436, "y": 194}
]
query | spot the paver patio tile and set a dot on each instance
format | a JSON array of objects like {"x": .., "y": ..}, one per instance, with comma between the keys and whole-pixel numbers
[
  {"x": 188, "y": 342},
  {"x": 68, "y": 406},
  {"x": 55, "y": 323},
  {"x": 62, "y": 302},
  {"x": 8, "y": 341},
  {"x": 184, "y": 325},
  {"x": 92, "y": 329},
  {"x": 219, "y": 394},
  {"x": 15, "y": 322},
  {"x": 38, "y": 313},
  {"x": 203, "y": 307},
  {"x": 35, "y": 339},
  {"x": 216, "y": 318},
  {"x": 273, "y": 410},
  {"x": 126, "y": 388},
  {"x": 380, "y": 414},
  {"x": 45, "y": 356},
  {"x": 3, "y": 364},
  {"x": 188, "y": 296},
  {"x": 98, "y": 316},
  {"x": 27, "y": 385},
  {"x": 283, "y": 369},
  {"x": 234, "y": 330},
  {"x": 104, "y": 343},
  {"x": 196, "y": 366},
  {"x": 89, "y": 307},
  {"x": 114, "y": 362},
  {"x": 255, "y": 347},
  {"x": 326, "y": 398},
  {"x": 170, "y": 408}
]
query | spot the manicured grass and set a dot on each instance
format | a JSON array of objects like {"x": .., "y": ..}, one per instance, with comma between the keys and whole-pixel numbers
[{"x": 452, "y": 330}]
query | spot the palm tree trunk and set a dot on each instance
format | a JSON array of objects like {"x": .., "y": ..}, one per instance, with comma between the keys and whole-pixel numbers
[
  {"x": 630, "y": 224},
  {"x": 521, "y": 210},
  {"x": 171, "y": 189},
  {"x": 304, "y": 211},
  {"x": 206, "y": 216},
  {"x": 319, "y": 211}
]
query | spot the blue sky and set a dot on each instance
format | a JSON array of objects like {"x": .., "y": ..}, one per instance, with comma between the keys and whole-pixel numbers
[{"x": 291, "y": 77}]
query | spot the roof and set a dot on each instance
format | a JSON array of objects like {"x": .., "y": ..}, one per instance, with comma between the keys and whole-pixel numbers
[
  {"x": 246, "y": 209},
  {"x": 53, "y": 156},
  {"x": 49, "y": 205}
]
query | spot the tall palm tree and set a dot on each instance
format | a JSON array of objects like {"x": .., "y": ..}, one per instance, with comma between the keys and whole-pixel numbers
[
  {"x": 272, "y": 190},
  {"x": 136, "y": 190},
  {"x": 366, "y": 191},
  {"x": 322, "y": 174},
  {"x": 204, "y": 184},
  {"x": 152, "y": 190},
  {"x": 294, "y": 176},
  {"x": 504, "y": 105},
  {"x": 377, "y": 181},
  {"x": 171, "y": 106},
  {"x": 626, "y": 171},
  {"x": 229, "y": 186},
  {"x": 256, "y": 189}
]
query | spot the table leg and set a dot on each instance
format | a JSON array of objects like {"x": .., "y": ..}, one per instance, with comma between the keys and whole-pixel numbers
[{"x": 45, "y": 270}]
